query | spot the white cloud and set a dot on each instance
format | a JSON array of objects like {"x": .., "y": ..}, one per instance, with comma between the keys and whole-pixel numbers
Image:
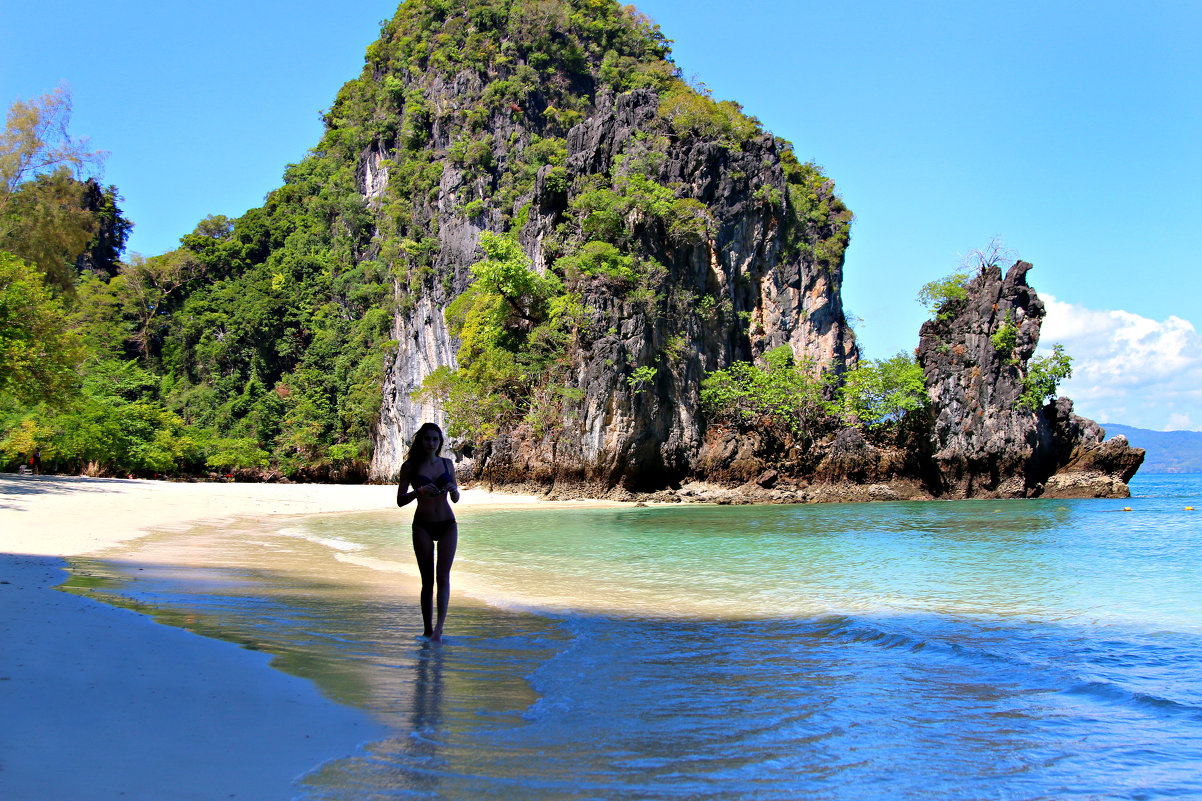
[
  {"x": 1179, "y": 422},
  {"x": 1127, "y": 368}
]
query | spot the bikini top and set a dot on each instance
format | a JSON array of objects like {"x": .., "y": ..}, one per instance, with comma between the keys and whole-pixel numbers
[{"x": 418, "y": 480}]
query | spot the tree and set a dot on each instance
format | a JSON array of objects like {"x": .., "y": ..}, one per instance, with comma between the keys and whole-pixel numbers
[
  {"x": 940, "y": 295},
  {"x": 1044, "y": 375},
  {"x": 151, "y": 285},
  {"x": 49, "y": 226},
  {"x": 43, "y": 214},
  {"x": 507, "y": 271},
  {"x": 995, "y": 254},
  {"x": 882, "y": 391},
  {"x": 112, "y": 230},
  {"x": 783, "y": 395},
  {"x": 38, "y": 353},
  {"x": 99, "y": 314},
  {"x": 35, "y": 142}
]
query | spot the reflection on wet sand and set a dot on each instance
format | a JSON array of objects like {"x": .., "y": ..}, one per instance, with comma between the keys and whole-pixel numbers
[{"x": 351, "y": 630}]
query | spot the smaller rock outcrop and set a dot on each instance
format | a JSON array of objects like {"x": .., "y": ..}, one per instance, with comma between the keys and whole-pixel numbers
[
  {"x": 1099, "y": 471},
  {"x": 986, "y": 439}
]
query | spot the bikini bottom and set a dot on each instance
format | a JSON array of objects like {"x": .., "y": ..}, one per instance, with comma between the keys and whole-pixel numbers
[{"x": 434, "y": 528}]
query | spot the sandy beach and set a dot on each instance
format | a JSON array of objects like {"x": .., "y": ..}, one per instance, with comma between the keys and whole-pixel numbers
[{"x": 104, "y": 703}]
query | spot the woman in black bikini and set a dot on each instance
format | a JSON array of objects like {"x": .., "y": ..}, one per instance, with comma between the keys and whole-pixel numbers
[{"x": 433, "y": 479}]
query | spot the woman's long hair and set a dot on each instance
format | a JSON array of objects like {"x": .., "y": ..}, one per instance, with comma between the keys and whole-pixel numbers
[{"x": 414, "y": 448}]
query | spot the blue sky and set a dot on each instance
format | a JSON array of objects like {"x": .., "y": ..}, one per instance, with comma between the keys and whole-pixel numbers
[{"x": 1069, "y": 131}]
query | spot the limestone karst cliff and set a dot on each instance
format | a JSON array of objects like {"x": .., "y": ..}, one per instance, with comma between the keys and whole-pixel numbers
[
  {"x": 683, "y": 234},
  {"x": 683, "y": 238}
]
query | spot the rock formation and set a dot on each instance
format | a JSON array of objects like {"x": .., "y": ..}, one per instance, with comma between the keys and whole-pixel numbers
[
  {"x": 986, "y": 439},
  {"x": 761, "y": 268},
  {"x": 521, "y": 223},
  {"x": 648, "y": 437}
]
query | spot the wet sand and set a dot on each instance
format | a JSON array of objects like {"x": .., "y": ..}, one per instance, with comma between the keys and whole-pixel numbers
[{"x": 103, "y": 703}]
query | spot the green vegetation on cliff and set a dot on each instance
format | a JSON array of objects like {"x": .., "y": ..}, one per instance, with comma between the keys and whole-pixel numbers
[
  {"x": 1044, "y": 374},
  {"x": 514, "y": 326}
]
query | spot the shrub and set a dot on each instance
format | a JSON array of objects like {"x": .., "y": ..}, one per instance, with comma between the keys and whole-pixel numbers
[
  {"x": 610, "y": 214},
  {"x": 689, "y": 221},
  {"x": 880, "y": 392},
  {"x": 1044, "y": 376},
  {"x": 641, "y": 378},
  {"x": 601, "y": 214},
  {"x": 541, "y": 151},
  {"x": 941, "y": 296},
  {"x": 694, "y": 113},
  {"x": 597, "y": 259},
  {"x": 473, "y": 410},
  {"x": 558, "y": 180},
  {"x": 784, "y": 394},
  {"x": 675, "y": 348},
  {"x": 1005, "y": 339},
  {"x": 471, "y": 154}
]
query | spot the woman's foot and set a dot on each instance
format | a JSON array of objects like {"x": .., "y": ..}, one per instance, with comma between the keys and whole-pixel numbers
[{"x": 437, "y": 635}]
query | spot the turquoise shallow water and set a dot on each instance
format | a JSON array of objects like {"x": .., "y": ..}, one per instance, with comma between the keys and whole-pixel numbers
[{"x": 971, "y": 650}]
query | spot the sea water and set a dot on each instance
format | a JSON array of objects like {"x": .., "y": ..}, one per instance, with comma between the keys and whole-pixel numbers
[{"x": 1036, "y": 649}]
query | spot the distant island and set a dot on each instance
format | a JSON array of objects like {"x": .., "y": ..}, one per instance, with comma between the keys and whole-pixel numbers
[{"x": 1167, "y": 451}]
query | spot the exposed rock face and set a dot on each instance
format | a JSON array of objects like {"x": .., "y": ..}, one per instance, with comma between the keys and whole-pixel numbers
[
  {"x": 1096, "y": 471},
  {"x": 985, "y": 441},
  {"x": 423, "y": 345},
  {"x": 649, "y": 436}
]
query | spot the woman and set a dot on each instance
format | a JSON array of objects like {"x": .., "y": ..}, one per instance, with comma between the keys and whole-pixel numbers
[{"x": 433, "y": 479}]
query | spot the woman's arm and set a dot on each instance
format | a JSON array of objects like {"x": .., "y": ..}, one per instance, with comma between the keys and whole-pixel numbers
[{"x": 403, "y": 497}]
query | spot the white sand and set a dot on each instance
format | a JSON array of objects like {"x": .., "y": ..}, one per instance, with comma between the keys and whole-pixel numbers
[
  {"x": 103, "y": 703},
  {"x": 67, "y": 516}
]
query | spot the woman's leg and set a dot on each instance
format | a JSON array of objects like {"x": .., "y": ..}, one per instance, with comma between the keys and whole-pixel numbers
[
  {"x": 423, "y": 549},
  {"x": 446, "y": 555}
]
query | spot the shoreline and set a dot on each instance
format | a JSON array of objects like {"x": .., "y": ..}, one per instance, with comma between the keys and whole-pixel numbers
[
  {"x": 144, "y": 710},
  {"x": 72, "y": 515}
]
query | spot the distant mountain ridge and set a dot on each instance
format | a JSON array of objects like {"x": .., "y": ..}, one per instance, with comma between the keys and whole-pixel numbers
[{"x": 1167, "y": 451}]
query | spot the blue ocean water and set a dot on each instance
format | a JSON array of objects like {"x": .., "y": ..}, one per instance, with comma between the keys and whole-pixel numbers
[{"x": 960, "y": 650}]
